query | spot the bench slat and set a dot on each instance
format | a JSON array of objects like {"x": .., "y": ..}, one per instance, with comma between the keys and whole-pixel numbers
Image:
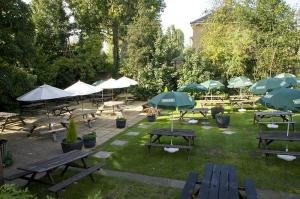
[
  {"x": 18, "y": 175},
  {"x": 204, "y": 190},
  {"x": 277, "y": 152},
  {"x": 250, "y": 189},
  {"x": 168, "y": 145},
  {"x": 188, "y": 189},
  {"x": 61, "y": 185}
]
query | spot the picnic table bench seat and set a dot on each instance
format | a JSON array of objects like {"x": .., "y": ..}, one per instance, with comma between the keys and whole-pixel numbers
[
  {"x": 250, "y": 189},
  {"x": 278, "y": 152},
  {"x": 63, "y": 184},
  {"x": 149, "y": 145},
  {"x": 188, "y": 190},
  {"x": 18, "y": 175}
]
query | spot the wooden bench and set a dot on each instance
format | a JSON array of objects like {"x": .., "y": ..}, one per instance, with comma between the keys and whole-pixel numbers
[
  {"x": 63, "y": 184},
  {"x": 292, "y": 123},
  {"x": 277, "y": 152},
  {"x": 250, "y": 189},
  {"x": 18, "y": 175},
  {"x": 188, "y": 190}
]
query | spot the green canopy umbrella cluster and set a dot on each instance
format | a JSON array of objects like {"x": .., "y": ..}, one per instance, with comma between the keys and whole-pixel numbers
[
  {"x": 213, "y": 85},
  {"x": 239, "y": 82}
]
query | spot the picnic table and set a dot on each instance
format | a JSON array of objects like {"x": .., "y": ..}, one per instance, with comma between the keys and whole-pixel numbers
[
  {"x": 219, "y": 182},
  {"x": 266, "y": 138},
  {"x": 241, "y": 102},
  {"x": 113, "y": 105},
  {"x": 30, "y": 171},
  {"x": 242, "y": 97},
  {"x": 202, "y": 111},
  {"x": 9, "y": 118},
  {"x": 187, "y": 134},
  {"x": 214, "y": 97},
  {"x": 61, "y": 109},
  {"x": 286, "y": 116}
]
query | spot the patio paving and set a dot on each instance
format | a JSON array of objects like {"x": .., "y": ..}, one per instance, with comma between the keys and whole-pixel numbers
[
  {"x": 119, "y": 142},
  {"x": 132, "y": 133},
  {"x": 26, "y": 149},
  {"x": 103, "y": 154}
]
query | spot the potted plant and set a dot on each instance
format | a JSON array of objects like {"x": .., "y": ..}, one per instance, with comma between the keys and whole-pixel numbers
[
  {"x": 72, "y": 141},
  {"x": 216, "y": 110},
  {"x": 121, "y": 122},
  {"x": 151, "y": 114},
  {"x": 89, "y": 140},
  {"x": 222, "y": 120}
]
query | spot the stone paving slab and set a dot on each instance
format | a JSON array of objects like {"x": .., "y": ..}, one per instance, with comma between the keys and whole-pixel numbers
[
  {"x": 206, "y": 127},
  {"x": 103, "y": 154},
  {"x": 119, "y": 142},
  {"x": 132, "y": 133},
  {"x": 228, "y": 132}
]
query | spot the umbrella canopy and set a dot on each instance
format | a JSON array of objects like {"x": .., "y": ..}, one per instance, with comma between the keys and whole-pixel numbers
[
  {"x": 125, "y": 80},
  {"x": 282, "y": 99},
  {"x": 43, "y": 93},
  {"x": 283, "y": 75},
  {"x": 192, "y": 87},
  {"x": 266, "y": 85},
  {"x": 80, "y": 88},
  {"x": 112, "y": 84},
  {"x": 172, "y": 100},
  {"x": 213, "y": 85},
  {"x": 239, "y": 82},
  {"x": 96, "y": 83}
]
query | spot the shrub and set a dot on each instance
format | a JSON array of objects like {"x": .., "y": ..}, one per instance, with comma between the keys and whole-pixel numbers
[
  {"x": 9, "y": 191},
  {"x": 72, "y": 133},
  {"x": 89, "y": 136},
  {"x": 121, "y": 118}
]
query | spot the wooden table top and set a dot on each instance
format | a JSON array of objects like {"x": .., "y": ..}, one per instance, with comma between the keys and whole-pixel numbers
[
  {"x": 113, "y": 103},
  {"x": 175, "y": 132},
  {"x": 279, "y": 135},
  {"x": 54, "y": 162},
  {"x": 7, "y": 115}
]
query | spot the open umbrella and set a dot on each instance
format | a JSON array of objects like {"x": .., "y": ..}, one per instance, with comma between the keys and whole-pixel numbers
[
  {"x": 96, "y": 83},
  {"x": 212, "y": 85},
  {"x": 239, "y": 82},
  {"x": 285, "y": 99},
  {"x": 43, "y": 93},
  {"x": 265, "y": 85},
  {"x": 112, "y": 84},
  {"x": 192, "y": 88},
  {"x": 283, "y": 75},
  {"x": 127, "y": 81},
  {"x": 172, "y": 101}
]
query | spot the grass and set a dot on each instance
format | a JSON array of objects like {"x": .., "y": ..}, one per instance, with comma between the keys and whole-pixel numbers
[{"x": 212, "y": 145}]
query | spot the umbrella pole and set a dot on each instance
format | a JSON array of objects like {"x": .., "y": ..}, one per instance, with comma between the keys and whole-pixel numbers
[
  {"x": 172, "y": 124},
  {"x": 112, "y": 94},
  {"x": 287, "y": 134}
]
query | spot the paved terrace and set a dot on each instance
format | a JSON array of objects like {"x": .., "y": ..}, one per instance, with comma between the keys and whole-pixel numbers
[{"x": 26, "y": 149}]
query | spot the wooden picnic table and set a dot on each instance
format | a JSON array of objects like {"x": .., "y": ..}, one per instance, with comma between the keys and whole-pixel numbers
[
  {"x": 242, "y": 97},
  {"x": 114, "y": 104},
  {"x": 187, "y": 134},
  {"x": 202, "y": 111},
  {"x": 286, "y": 116},
  {"x": 219, "y": 182},
  {"x": 61, "y": 109},
  {"x": 49, "y": 165},
  {"x": 241, "y": 102},
  {"x": 9, "y": 118}
]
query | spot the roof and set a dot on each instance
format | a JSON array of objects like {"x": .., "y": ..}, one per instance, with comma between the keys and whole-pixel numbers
[{"x": 201, "y": 19}]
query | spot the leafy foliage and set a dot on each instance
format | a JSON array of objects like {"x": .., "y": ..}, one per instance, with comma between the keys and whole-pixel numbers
[
  {"x": 9, "y": 191},
  {"x": 72, "y": 133}
]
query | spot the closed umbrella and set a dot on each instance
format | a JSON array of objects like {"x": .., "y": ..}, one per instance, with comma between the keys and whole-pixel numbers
[
  {"x": 265, "y": 85},
  {"x": 192, "y": 88},
  {"x": 172, "y": 101}
]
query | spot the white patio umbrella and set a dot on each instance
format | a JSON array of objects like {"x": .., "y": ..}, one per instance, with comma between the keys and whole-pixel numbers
[
  {"x": 112, "y": 84},
  {"x": 81, "y": 89},
  {"x": 44, "y": 93},
  {"x": 127, "y": 81}
]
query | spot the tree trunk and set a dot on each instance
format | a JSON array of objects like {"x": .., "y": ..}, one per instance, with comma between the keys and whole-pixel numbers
[{"x": 115, "y": 31}]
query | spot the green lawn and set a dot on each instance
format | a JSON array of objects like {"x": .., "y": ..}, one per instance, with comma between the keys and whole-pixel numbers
[{"x": 239, "y": 149}]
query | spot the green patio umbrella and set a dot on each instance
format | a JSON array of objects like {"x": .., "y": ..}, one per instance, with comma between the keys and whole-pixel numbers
[
  {"x": 192, "y": 88},
  {"x": 265, "y": 85},
  {"x": 239, "y": 82},
  {"x": 212, "y": 85},
  {"x": 282, "y": 75},
  {"x": 290, "y": 78},
  {"x": 172, "y": 101},
  {"x": 284, "y": 99}
]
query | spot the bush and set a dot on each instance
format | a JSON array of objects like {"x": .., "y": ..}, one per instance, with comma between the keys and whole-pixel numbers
[
  {"x": 89, "y": 136},
  {"x": 9, "y": 191},
  {"x": 121, "y": 118},
  {"x": 72, "y": 133}
]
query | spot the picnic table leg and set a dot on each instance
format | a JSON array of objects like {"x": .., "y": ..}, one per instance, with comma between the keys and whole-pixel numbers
[
  {"x": 65, "y": 169},
  {"x": 30, "y": 179},
  {"x": 86, "y": 167},
  {"x": 3, "y": 125},
  {"x": 22, "y": 120},
  {"x": 48, "y": 173}
]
